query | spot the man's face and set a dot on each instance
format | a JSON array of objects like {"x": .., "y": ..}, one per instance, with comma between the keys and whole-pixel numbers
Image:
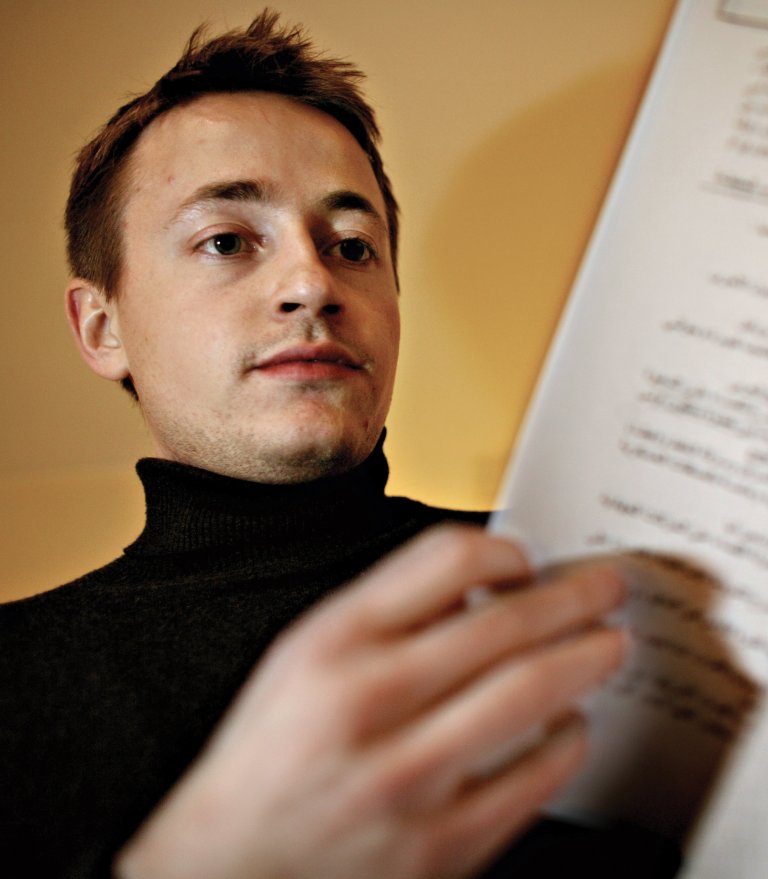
[{"x": 257, "y": 307}]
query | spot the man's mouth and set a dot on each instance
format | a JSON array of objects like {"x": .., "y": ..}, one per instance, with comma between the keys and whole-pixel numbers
[{"x": 308, "y": 361}]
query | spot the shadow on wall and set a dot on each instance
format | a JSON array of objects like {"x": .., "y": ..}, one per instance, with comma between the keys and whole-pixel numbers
[{"x": 501, "y": 252}]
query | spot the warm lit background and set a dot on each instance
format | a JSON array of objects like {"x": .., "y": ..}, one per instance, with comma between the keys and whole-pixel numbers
[{"x": 502, "y": 120}]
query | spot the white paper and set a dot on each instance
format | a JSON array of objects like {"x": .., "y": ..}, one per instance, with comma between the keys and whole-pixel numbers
[{"x": 649, "y": 429}]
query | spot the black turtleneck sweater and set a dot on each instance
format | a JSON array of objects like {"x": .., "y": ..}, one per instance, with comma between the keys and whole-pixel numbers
[{"x": 110, "y": 685}]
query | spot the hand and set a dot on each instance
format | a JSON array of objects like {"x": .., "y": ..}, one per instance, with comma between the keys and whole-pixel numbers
[{"x": 381, "y": 734}]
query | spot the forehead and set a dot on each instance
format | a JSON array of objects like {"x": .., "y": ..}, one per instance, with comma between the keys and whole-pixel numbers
[{"x": 250, "y": 135}]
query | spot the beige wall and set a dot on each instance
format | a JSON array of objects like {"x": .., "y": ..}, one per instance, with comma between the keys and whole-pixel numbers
[{"x": 502, "y": 122}]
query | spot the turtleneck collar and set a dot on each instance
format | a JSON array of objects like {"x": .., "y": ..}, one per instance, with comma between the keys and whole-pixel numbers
[{"x": 195, "y": 510}]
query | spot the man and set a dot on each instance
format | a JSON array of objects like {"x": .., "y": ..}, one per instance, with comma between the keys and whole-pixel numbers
[{"x": 233, "y": 237}]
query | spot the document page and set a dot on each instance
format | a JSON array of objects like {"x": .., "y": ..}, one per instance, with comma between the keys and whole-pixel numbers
[{"x": 648, "y": 433}]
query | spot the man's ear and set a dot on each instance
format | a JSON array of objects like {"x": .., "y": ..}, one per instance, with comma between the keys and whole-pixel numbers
[{"x": 96, "y": 327}]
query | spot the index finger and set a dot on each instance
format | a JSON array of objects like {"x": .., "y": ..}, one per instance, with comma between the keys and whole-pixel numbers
[{"x": 433, "y": 573}]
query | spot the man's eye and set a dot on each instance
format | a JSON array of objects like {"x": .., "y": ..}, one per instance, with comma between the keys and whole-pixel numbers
[
  {"x": 355, "y": 250},
  {"x": 225, "y": 244}
]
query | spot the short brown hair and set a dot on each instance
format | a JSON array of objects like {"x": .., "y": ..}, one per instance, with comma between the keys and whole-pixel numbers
[{"x": 261, "y": 57}]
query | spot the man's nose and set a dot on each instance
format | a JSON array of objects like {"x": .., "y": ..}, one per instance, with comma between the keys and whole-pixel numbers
[{"x": 305, "y": 283}]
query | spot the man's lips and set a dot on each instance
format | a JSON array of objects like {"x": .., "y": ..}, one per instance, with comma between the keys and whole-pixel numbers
[{"x": 306, "y": 361}]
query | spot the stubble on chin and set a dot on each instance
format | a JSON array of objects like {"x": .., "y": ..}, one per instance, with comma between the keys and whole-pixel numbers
[{"x": 304, "y": 456}]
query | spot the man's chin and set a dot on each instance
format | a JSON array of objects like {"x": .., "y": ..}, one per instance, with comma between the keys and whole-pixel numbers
[
  {"x": 309, "y": 449},
  {"x": 288, "y": 452},
  {"x": 293, "y": 462},
  {"x": 301, "y": 466}
]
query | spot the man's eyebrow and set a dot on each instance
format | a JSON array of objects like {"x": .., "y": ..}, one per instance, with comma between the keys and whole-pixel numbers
[
  {"x": 261, "y": 192},
  {"x": 347, "y": 200},
  {"x": 227, "y": 190}
]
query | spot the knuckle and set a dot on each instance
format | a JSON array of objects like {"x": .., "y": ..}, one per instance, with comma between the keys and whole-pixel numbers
[
  {"x": 405, "y": 783},
  {"x": 383, "y": 789},
  {"x": 459, "y": 546},
  {"x": 503, "y": 621},
  {"x": 386, "y": 695},
  {"x": 537, "y": 685},
  {"x": 386, "y": 691},
  {"x": 324, "y": 632}
]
